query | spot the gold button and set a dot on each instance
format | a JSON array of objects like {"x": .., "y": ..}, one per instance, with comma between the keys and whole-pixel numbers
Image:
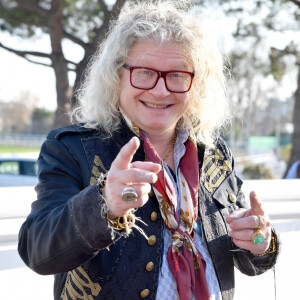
[
  {"x": 153, "y": 216},
  {"x": 151, "y": 194},
  {"x": 144, "y": 293},
  {"x": 150, "y": 266},
  {"x": 232, "y": 198},
  {"x": 152, "y": 240}
]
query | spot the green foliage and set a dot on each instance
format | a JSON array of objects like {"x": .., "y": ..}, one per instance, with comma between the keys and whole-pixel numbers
[
  {"x": 259, "y": 171},
  {"x": 40, "y": 114},
  {"x": 42, "y": 120},
  {"x": 81, "y": 18},
  {"x": 277, "y": 66},
  {"x": 18, "y": 19}
]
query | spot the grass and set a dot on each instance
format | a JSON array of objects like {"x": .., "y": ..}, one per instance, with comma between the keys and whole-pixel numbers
[{"x": 17, "y": 149}]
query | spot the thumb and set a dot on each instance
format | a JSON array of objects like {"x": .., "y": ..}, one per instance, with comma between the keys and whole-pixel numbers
[
  {"x": 256, "y": 205},
  {"x": 124, "y": 158}
]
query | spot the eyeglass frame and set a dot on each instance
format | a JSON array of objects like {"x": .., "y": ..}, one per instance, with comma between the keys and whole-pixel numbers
[{"x": 161, "y": 74}]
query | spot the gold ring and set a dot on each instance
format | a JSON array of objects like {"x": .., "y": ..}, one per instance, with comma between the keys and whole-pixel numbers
[
  {"x": 258, "y": 237},
  {"x": 262, "y": 222}
]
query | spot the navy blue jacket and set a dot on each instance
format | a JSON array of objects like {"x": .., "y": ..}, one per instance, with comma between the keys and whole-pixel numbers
[{"x": 66, "y": 234}]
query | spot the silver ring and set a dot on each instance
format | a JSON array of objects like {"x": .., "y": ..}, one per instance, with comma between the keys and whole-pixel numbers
[{"x": 129, "y": 194}]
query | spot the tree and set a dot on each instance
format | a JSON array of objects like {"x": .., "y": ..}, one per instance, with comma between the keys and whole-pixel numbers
[
  {"x": 41, "y": 120},
  {"x": 278, "y": 63},
  {"x": 84, "y": 23},
  {"x": 256, "y": 21}
]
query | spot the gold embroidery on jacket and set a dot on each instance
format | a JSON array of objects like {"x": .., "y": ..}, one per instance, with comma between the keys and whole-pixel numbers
[
  {"x": 215, "y": 168},
  {"x": 75, "y": 286},
  {"x": 95, "y": 169}
]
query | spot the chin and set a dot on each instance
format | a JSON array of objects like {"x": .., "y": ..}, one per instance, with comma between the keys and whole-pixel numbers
[{"x": 155, "y": 127}]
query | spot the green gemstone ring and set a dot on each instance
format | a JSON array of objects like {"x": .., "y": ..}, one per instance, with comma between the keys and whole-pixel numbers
[{"x": 258, "y": 237}]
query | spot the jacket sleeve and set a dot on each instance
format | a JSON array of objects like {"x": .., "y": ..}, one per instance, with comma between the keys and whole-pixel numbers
[
  {"x": 252, "y": 265},
  {"x": 65, "y": 227},
  {"x": 244, "y": 260}
]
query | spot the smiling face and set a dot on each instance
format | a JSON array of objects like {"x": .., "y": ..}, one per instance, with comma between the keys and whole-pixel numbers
[{"x": 155, "y": 111}]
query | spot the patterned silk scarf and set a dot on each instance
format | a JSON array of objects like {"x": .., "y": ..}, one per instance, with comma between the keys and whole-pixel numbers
[{"x": 185, "y": 261}]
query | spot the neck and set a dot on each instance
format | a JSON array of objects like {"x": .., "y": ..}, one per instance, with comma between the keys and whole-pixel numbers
[
  {"x": 162, "y": 143},
  {"x": 161, "y": 139}
]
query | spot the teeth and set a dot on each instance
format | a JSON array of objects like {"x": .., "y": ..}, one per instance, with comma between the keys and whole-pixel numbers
[{"x": 154, "y": 105}]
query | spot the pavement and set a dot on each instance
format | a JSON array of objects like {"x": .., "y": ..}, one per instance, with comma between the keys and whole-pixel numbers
[{"x": 284, "y": 281}]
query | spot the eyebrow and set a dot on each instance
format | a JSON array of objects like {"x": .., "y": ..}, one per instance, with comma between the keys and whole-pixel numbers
[{"x": 144, "y": 63}]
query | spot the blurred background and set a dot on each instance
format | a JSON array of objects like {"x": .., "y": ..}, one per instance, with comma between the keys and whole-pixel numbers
[{"x": 45, "y": 46}]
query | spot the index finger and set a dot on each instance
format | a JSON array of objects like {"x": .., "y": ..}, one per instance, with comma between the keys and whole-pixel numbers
[
  {"x": 124, "y": 158},
  {"x": 256, "y": 205},
  {"x": 147, "y": 166}
]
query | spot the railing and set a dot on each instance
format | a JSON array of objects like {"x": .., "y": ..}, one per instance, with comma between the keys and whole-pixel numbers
[
  {"x": 33, "y": 140},
  {"x": 281, "y": 199}
]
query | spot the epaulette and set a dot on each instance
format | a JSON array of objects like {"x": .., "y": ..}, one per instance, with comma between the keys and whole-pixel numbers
[
  {"x": 57, "y": 133},
  {"x": 222, "y": 145}
]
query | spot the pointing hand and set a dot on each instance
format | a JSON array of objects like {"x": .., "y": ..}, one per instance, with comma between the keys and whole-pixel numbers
[
  {"x": 243, "y": 223},
  {"x": 122, "y": 173}
]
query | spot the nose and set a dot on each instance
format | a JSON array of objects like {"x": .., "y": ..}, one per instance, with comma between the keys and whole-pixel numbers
[{"x": 160, "y": 89}]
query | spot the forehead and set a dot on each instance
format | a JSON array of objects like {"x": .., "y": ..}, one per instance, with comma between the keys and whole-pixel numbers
[{"x": 161, "y": 56}]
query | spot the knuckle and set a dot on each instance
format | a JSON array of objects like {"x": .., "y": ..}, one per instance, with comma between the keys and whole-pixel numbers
[
  {"x": 139, "y": 203},
  {"x": 134, "y": 176},
  {"x": 254, "y": 222},
  {"x": 144, "y": 200},
  {"x": 154, "y": 179}
]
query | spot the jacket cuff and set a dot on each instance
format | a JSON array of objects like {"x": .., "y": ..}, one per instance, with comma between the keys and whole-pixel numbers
[
  {"x": 90, "y": 222},
  {"x": 269, "y": 260},
  {"x": 252, "y": 265}
]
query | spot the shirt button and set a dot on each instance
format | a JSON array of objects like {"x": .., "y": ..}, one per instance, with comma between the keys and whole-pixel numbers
[
  {"x": 232, "y": 198},
  {"x": 150, "y": 266},
  {"x": 151, "y": 194},
  {"x": 144, "y": 293},
  {"x": 152, "y": 240},
  {"x": 153, "y": 216}
]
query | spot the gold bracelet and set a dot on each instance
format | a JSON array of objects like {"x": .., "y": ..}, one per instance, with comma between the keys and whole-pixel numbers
[
  {"x": 120, "y": 223},
  {"x": 272, "y": 249}
]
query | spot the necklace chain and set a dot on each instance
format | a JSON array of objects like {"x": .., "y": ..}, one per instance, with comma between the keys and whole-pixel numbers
[{"x": 171, "y": 147}]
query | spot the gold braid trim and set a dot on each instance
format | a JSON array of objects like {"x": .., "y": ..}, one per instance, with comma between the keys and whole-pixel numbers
[
  {"x": 74, "y": 279},
  {"x": 95, "y": 169},
  {"x": 214, "y": 170}
]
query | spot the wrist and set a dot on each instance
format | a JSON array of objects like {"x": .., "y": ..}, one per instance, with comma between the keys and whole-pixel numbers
[
  {"x": 111, "y": 216},
  {"x": 272, "y": 248}
]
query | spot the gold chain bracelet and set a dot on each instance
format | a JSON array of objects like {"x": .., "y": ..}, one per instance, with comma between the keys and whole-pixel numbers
[
  {"x": 120, "y": 223},
  {"x": 272, "y": 249}
]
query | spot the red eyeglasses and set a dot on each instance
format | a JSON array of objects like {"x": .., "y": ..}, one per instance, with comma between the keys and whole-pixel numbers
[{"x": 146, "y": 79}]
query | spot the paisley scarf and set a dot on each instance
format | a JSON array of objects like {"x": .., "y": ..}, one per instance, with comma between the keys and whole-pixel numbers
[{"x": 185, "y": 261}]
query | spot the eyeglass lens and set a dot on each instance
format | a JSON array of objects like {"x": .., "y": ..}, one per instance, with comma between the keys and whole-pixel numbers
[{"x": 175, "y": 81}]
